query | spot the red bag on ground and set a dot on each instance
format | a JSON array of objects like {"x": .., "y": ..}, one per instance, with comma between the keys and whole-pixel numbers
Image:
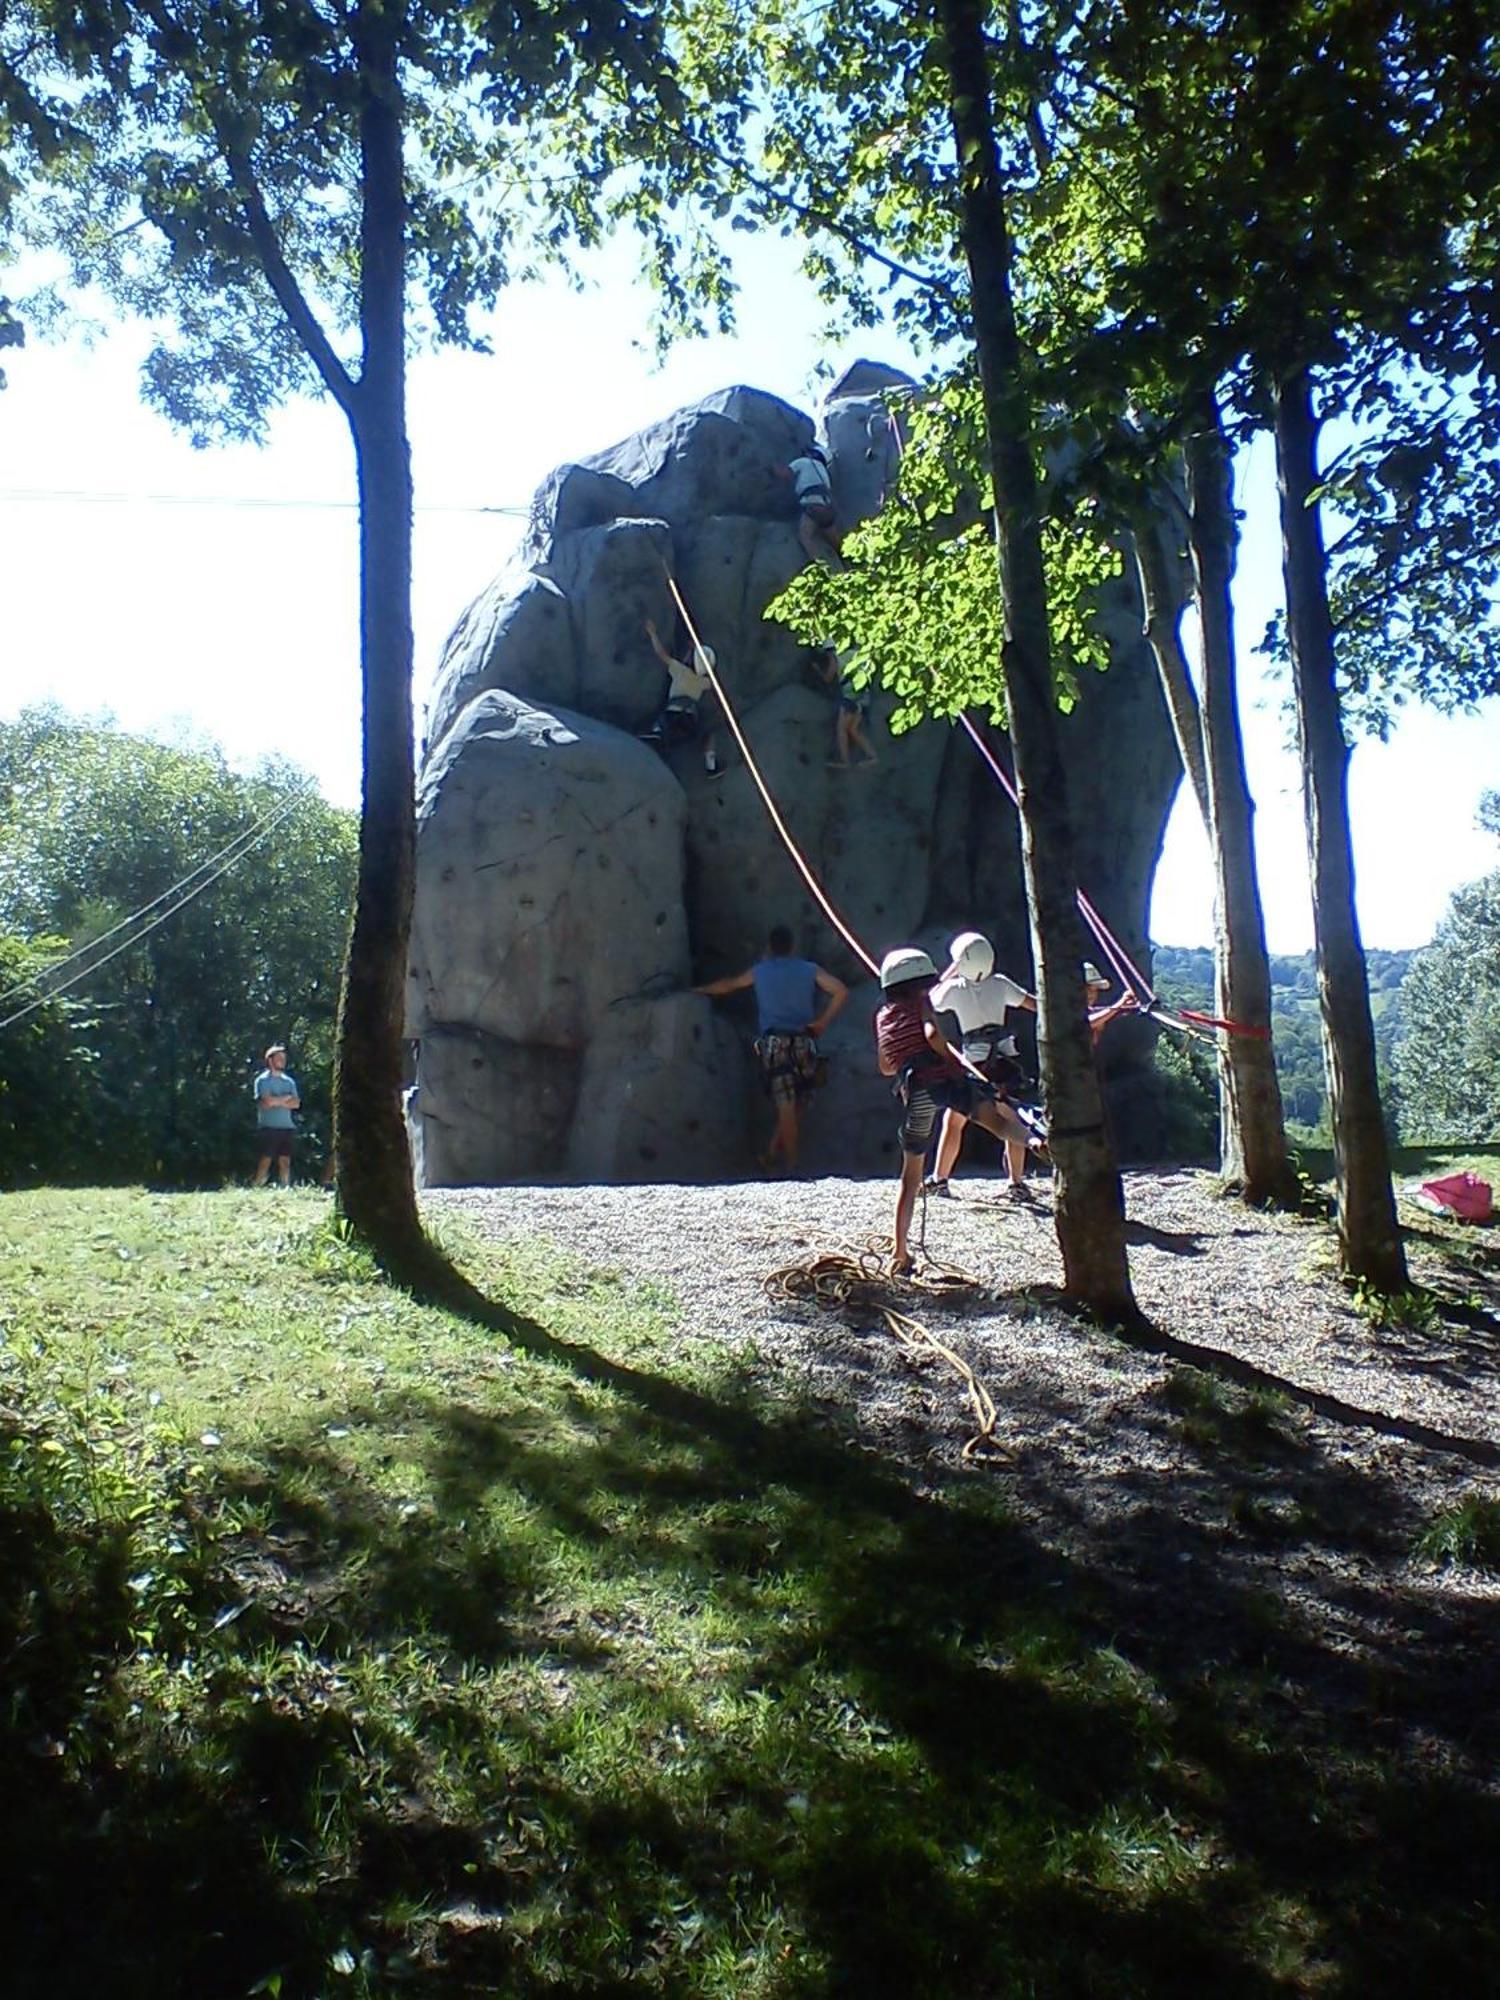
[{"x": 1464, "y": 1195}]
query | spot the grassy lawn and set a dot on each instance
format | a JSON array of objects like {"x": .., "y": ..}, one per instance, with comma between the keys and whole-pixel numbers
[{"x": 350, "y": 1647}]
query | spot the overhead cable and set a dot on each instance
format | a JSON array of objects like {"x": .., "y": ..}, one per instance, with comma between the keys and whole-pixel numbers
[
  {"x": 82, "y": 951},
  {"x": 145, "y": 930}
]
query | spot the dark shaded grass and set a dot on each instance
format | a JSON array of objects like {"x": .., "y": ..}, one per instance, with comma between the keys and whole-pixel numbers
[{"x": 664, "y": 1687}]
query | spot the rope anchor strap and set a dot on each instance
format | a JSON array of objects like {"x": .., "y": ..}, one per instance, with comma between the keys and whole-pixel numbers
[
  {"x": 1229, "y": 1027},
  {"x": 1183, "y": 1020}
]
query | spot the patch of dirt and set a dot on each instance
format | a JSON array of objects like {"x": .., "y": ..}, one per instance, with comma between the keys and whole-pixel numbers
[{"x": 1257, "y": 1513}]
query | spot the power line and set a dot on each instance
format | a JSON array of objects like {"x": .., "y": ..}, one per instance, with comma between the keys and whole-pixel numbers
[
  {"x": 245, "y": 834},
  {"x": 240, "y": 850},
  {"x": 22, "y": 495}
]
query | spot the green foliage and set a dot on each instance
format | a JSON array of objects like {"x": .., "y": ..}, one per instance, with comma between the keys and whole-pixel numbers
[
  {"x": 1468, "y": 1532},
  {"x": 219, "y": 174},
  {"x": 1185, "y": 976},
  {"x": 918, "y": 599},
  {"x": 1187, "y": 1088},
  {"x": 143, "y": 1074},
  {"x": 47, "y": 1063},
  {"x": 1219, "y": 1419},
  {"x": 1409, "y": 1311},
  {"x": 220, "y": 166},
  {"x": 1447, "y": 1062}
]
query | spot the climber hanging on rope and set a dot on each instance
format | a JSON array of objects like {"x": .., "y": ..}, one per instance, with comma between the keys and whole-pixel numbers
[
  {"x": 681, "y": 719},
  {"x": 979, "y": 998},
  {"x": 930, "y": 1077}
]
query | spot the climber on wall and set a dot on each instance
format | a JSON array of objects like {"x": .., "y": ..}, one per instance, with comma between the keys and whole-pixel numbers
[
  {"x": 979, "y": 998},
  {"x": 853, "y": 711},
  {"x": 681, "y": 718},
  {"x": 817, "y": 523},
  {"x": 788, "y": 1022},
  {"x": 910, "y": 1046}
]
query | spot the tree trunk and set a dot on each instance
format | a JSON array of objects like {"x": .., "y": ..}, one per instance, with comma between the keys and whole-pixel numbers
[
  {"x": 374, "y": 1162},
  {"x": 1369, "y": 1237},
  {"x": 1090, "y": 1207},
  {"x": 1162, "y": 605},
  {"x": 1252, "y": 1130}
]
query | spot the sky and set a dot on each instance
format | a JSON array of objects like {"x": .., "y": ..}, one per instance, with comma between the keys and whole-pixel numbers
[{"x": 214, "y": 593}]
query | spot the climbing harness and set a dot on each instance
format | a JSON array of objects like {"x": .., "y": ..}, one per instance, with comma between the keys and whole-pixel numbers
[
  {"x": 854, "y": 1281},
  {"x": 760, "y": 784}
]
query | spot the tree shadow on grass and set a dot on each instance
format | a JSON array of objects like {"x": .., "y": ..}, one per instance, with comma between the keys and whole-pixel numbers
[{"x": 904, "y": 1758}]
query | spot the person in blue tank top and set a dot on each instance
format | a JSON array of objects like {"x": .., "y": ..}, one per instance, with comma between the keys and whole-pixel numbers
[{"x": 795, "y": 1000}]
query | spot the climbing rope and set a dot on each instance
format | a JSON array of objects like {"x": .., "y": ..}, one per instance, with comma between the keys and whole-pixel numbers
[
  {"x": 703, "y": 659},
  {"x": 853, "y": 1281},
  {"x": 1181, "y": 1020}
]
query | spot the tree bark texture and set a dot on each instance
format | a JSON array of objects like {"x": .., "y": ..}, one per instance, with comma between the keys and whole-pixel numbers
[
  {"x": 1161, "y": 603},
  {"x": 374, "y": 1160},
  {"x": 1253, "y": 1153},
  {"x": 1090, "y": 1206},
  {"x": 1369, "y": 1237}
]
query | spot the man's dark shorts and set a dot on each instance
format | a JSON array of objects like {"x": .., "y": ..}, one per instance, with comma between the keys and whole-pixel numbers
[
  {"x": 276, "y": 1142},
  {"x": 926, "y": 1102}
]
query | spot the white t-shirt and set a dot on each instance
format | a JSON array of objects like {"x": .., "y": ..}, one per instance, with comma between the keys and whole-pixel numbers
[
  {"x": 810, "y": 480},
  {"x": 977, "y": 1003}
]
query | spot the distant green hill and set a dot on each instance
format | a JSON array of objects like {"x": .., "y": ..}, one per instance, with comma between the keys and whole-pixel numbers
[{"x": 1185, "y": 975}]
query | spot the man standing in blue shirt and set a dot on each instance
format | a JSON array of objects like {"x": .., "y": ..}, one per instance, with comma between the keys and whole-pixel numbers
[
  {"x": 790, "y": 1020},
  {"x": 276, "y": 1098}
]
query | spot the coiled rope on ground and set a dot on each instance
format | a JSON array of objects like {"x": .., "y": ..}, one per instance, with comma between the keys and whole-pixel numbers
[{"x": 857, "y": 1279}]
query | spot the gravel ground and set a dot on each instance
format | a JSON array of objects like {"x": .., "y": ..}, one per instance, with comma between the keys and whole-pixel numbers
[{"x": 1107, "y": 1453}]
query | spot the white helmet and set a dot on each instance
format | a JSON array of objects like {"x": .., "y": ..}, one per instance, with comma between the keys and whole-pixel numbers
[
  {"x": 906, "y": 962},
  {"x": 1092, "y": 976},
  {"x": 704, "y": 658},
  {"x": 973, "y": 956}
]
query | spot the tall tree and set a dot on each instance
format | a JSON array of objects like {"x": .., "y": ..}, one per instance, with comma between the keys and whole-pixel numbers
[
  {"x": 1090, "y": 1218},
  {"x": 1253, "y": 1151},
  {"x": 1312, "y": 179},
  {"x": 301, "y": 188},
  {"x": 881, "y": 144},
  {"x": 167, "y": 1023}
]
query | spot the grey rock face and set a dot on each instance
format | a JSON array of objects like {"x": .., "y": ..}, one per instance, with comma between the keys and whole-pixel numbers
[
  {"x": 549, "y": 877},
  {"x": 572, "y": 882}
]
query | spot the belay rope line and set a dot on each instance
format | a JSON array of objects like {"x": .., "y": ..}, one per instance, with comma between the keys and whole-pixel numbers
[
  {"x": 851, "y": 1281},
  {"x": 840, "y": 1278},
  {"x": 1183, "y": 1020},
  {"x": 702, "y": 657}
]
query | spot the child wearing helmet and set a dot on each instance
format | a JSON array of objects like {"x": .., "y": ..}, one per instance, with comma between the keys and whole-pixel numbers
[
  {"x": 910, "y": 1046},
  {"x": 979, "y": 998}
]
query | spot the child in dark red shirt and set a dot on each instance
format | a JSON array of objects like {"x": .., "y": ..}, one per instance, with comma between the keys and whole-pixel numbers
[{"x": 910, "y": 1045}]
